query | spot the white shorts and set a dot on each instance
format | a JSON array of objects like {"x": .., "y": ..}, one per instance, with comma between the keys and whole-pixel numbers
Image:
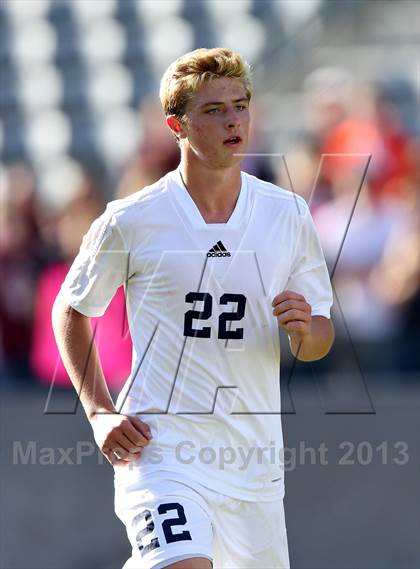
[{"x": 168, "y": 521}]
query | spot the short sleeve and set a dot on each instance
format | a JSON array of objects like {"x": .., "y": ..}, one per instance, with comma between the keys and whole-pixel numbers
[
  {"x": 309, "y": 275},
  {"x": 99, "y": 269}
]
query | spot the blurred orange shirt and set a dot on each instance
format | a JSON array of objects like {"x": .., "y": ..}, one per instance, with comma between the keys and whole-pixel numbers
[{"x": 387, "y": 145}]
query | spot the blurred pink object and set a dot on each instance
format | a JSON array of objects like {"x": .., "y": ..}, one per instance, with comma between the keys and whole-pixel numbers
[{"x": 112, "y": 337}]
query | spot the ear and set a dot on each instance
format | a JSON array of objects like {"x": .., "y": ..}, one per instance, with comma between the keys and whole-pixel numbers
[{"x": 175, "y": 125}]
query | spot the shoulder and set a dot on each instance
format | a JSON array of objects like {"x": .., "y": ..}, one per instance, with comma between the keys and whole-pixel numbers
[
  {"x": 277, "y": 197},
  {"x": 124, "y": 217},
  {"x": 142, "y": 199},
  {"x": 132, "y": 212}
]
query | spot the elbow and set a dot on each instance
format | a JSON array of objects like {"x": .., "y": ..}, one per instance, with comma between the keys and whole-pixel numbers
[{"x": 312, "y": 357}]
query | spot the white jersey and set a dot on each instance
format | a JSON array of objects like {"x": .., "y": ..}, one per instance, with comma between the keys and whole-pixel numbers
[{"x": 206, "y": 353}]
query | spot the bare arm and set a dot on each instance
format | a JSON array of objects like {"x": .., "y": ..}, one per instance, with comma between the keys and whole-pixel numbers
[
  {"x": 126, "y": 435},
  {"x": 311, "y": 337},
  {"x": 316, "y": 344}
]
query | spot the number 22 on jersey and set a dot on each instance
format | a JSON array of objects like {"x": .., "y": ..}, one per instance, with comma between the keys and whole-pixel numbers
[{"x": 225, "y": 319}]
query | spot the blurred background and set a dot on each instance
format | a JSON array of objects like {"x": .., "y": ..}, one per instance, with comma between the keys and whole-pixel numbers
[{"x": 336, "y": 119}]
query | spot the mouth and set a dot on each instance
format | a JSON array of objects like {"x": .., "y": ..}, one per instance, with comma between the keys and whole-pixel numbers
[{"x": 232, "y": 141}]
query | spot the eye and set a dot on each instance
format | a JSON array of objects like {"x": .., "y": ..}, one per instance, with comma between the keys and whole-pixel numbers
[
  {"x": 241, "y": 107},
  {"x": 212, "y": 111}
]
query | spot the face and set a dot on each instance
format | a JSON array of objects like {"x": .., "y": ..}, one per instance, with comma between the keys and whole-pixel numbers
[{"x": 216, "y": 123}]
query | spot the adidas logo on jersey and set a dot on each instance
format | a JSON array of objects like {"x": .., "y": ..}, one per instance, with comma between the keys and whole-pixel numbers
[{"x": 218, "y": 250}]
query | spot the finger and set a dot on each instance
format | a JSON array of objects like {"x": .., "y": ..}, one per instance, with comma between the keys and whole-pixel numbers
[
  {"x": 134, "y": 435},
  {"x": 121, "y": 454},
  {"x": 141, "y": 426},
  {"x": 120, "y": 446},
  {"x": 115, "y": 460},
  {"x": 286, "y": 295},
  {"x": 130, "y": 457},
  {"x": 137, "y": 439},
  {"x": 289, "y": 304},
  {"x": 296, "y": 326},
  {"x": 112, "y": 459},
  {"x": 291, "y": 315},
  {"x": 117, "y": 452}
]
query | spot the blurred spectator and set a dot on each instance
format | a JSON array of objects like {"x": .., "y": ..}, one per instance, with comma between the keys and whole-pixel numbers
[
  {"x": 255, "y": 163},
  {"x": 326, "y": 99},
  {"x": 157, "y": 154},
  {"x": 111, "y": 334},
  {"x": 20, "y": 260},
  {"x": 348, "y": 118},
  {"x": 392, "y": 173},
  {"x": 348, "y": 122},
  {"x": 396, "y": 281},
  {"x": 368, "y": 318}
]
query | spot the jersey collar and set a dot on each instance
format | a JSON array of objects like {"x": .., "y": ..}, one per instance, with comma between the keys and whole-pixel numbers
[{"x": 191, "y": 211}]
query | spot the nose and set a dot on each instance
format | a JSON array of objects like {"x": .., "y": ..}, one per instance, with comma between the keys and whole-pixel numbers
[{"x": 231, "y": 119}]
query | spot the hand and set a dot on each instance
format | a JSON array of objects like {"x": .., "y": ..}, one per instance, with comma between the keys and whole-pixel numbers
[
  {"x": 120, "y": 438},
  {"x": 293, "y": 313}
]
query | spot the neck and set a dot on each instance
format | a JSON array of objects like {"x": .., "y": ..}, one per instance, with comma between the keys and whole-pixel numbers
[{"x": 215, "y": 191}]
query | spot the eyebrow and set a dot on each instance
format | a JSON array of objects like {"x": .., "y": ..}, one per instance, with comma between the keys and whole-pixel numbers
[{"x": 215, "y": 103}]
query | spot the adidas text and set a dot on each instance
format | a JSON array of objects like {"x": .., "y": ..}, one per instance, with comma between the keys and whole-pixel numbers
[{"x": 218, "y": 254}]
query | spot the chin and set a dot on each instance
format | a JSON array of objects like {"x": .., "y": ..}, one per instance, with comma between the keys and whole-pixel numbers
[
  {"x": 230, "y": 163},
  {"x": 221, "y": 160},
  {"x": 231, "y": 159}
]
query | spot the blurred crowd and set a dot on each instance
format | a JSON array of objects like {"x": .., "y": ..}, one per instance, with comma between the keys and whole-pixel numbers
[{"x": 357, "y": 165}]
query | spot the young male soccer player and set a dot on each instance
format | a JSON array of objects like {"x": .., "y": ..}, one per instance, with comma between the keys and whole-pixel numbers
[{"x": 213, "y": 260}]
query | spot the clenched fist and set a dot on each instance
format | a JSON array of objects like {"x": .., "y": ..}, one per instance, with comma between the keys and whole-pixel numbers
[
  {"x": 121, "y": 438},
  {"x": 293, "y": 313}
]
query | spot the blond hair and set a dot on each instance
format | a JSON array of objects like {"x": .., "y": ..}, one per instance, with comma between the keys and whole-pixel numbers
[{"x": 186, "y": 74}]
